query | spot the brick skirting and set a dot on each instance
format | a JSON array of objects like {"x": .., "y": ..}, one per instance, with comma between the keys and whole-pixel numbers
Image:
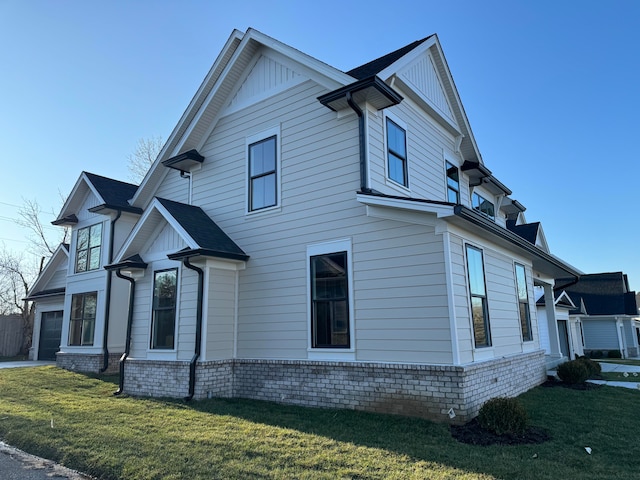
[
  {"x": 428, "y": 391},
  {"x": 88, "y": 363}
]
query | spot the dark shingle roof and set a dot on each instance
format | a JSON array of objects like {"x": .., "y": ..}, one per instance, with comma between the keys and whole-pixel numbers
[
  {"x": 375, "y": 66},
  {"x": 113, "y": 192},
  {"x": 528, "y": 231},
  {"x": 204, "y": 231},
  {"x": 602, "y": 293}
]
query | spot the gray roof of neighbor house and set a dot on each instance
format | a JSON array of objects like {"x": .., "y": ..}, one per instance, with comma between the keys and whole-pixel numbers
[
  {"x": 528, "y": 231},
  {"x": 373, "y": 67},
  {"x": 602, "y": 293},
  {"x": 211, "y": 240},
  {"x": 114, "y": 192}
]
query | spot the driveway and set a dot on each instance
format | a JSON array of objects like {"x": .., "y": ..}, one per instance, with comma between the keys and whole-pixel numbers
[
  {"x": 25, "y": 363},
  {"x": 18, "y": 465}
]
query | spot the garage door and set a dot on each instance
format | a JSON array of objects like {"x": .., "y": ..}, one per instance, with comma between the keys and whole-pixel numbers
[{"x": 50, "y": 330}]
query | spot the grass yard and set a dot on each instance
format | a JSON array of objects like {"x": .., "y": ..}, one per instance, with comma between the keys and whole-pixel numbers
[{"x": 76, "y": 420}]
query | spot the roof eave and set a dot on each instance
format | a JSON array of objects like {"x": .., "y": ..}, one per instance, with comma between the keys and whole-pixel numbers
[{"x": 371, "y": 90}]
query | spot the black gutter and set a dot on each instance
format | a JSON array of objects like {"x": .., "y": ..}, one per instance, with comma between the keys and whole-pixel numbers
[
  {"x": 364, "y": 187},
  {"x": 107, "y": 307},
  {"x": 196, "y": 353},
  {"x": 127, "y": 344}
]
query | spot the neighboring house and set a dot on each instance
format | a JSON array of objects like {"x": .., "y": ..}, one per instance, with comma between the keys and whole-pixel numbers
[
  {"x": 48, "y": 293},
  {"x": 608, "y": 312},
  {"x": 11, "y": 334},
  {"x": 95, "y": 307},
  {"x": 317, "y": 237},
  {"x": 569, "y": 327}
]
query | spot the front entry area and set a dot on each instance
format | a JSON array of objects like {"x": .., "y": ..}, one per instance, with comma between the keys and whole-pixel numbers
[{"x": 50, "y": 331}]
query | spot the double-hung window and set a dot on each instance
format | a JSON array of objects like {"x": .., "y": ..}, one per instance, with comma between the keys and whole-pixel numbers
[
  {"x": 263, "y": 175},
  {"x": 478, "y": 297},
  {"x": 163, "y": 321},
  {"x": 523, "y": 303},
  {"x": 88, "y": 242},
  {"x": 453, "y": 183},
  {"x": 329, "y": 300},
  {"x": 483, "y": 205},
  {"x": 397, "y": 153},
  {"x": 83, "y": 318}
]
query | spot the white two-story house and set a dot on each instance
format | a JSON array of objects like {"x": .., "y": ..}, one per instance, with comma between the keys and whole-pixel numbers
[{"x": 317, "y": 237}]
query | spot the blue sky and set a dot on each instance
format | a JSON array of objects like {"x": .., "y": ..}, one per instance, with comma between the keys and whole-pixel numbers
[{"x": 551, "y": 90}]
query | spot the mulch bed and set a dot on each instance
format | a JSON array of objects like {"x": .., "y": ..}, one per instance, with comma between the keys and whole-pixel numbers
[
  {"x": 473, "y": 434},
  {"x": 573, "y": 386}
]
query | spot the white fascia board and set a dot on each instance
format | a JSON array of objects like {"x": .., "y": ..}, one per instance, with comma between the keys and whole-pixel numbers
[
  {"x": 400, "y": 204},
  {"x": 235, "y": 35},
  {"x": 407, "y": 59},
  {"x": 61, "y": 254}
]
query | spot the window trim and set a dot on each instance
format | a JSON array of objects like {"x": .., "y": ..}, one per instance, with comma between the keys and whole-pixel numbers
[
  {"x": 477, "y": 208},
  {"x": 327, "y": 248},
  {"x": 150, "y": 346},
  {"x": 89, "y": 248},
  {"x": 82, "y": 320},
  {"x": 448, "y": 166},
  {"x": 483, "y": 297},
  {"x": 401, "y": 125},
  {"x": 251, "y": 140},
  {"x": 524, "y": 303}
]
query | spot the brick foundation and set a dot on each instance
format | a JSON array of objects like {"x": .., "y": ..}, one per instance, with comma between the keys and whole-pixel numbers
[
  {"x": 428, "y": 391},
  {"x": 87, "y": 363}
]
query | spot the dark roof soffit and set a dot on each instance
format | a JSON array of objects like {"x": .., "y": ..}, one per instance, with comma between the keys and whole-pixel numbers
[
  {"x": 68, "y": 220},
  {"x": 372, "y": 90},
  {"x": 46, "y": 293},
  {"x": 106, "y": 208},
  {"x": 204, "y": 252},
  {"x": 184, "y": 162},
  {"x": 133, "y": 262}
]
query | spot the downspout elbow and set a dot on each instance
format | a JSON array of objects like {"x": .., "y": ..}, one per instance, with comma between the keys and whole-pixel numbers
[{"x": 197, "y": 349}]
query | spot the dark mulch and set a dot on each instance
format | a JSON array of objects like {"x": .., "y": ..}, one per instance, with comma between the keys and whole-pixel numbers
[
  {"x": 473, "y": 434},
  {"x": 573, "y": 386}
]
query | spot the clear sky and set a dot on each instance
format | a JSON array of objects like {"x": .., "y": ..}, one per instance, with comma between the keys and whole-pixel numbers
[{"x": 551, "y": 90}]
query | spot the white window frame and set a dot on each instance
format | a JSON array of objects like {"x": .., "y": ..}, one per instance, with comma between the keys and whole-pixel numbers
[
  {"x": 324, "y": 248},
  {"x": 405, "y": 189},
  {"x": 489, "y": 346},
  {"x": 155, "y": 353},
  {"x": 250, "y": 140},
  {"x": 488, "y": 198},
  {"x": 450, "y": 161},
  {"x": 88, "y": 226},
  {"x": 529, "y": 317}
]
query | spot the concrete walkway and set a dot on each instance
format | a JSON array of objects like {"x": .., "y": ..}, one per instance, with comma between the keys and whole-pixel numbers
[
  {"x": 25, "y": 363},
  {"x": 633, "y": 372}
]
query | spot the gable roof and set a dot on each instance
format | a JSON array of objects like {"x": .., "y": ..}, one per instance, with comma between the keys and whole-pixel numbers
[
  {"x": 376, "y": 66},
  {"x": 528, "y": 231},
  {"x": 561, "y": 299},
  {"x": 199, "y": 232},
  {"x": 40, "y": 287},
  {"x": 602, "y": 293},
  {"x": 111, "y": 194}
]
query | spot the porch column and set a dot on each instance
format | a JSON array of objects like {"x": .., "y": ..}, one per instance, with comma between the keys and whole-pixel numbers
[{"x": 555, "y": 353}]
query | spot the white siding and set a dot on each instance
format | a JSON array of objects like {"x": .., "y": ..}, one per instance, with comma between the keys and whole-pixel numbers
[
  {"x": 600, "y": 334},
  {"x": 59, "y": 278},
  {"x": 174, "y": 187},
  {"x": 220, "y": 314}
]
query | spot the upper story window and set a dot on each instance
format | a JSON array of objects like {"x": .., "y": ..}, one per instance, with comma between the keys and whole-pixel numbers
[
  {"x": 483, "y": 205},
  {"x": 453, "y": 183},
  {"x": 523, "y": 303},
  {"x": 83, "y": 318},
  {"x": 88, "y": 242},
  {"x": 263, "y": 181},
  {"x": 163, "y": 322},
  {"x": 478, "y": 297},
  {"x": 397, "y": 153}
]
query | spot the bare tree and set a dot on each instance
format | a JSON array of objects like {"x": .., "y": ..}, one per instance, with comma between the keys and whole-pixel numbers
[
  {"x": 143, "y": 157},
  {"x": 42, "y": 243},
  {"x": 16, "y": 277}
]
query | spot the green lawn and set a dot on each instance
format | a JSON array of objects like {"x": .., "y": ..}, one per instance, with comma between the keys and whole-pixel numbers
[{"x": 76, "y": 420}]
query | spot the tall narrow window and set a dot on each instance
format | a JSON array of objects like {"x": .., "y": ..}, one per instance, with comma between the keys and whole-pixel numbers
[
  {"x": 329, "y": 301},
  {"x": 523, "y": 303},
  {"x": 453, "y": 183},
  {"x": 262, "y": 174},
  {"x": 477, "y": 291},
  {"x": 397, "y": 153},
  {"x": 88, "y": 244},
  {"x": 83, "y": 318},
  {"x": 164, "y": 309},
  {"x": 483, "y": 205}
]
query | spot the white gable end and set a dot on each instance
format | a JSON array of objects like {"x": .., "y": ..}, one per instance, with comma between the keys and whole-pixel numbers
[
  {"x": 166, "y": 241},
  {"x": 90, "y": 201},
  {"x": 423, "y": 78},
  {"x": 266, "y": 78}
]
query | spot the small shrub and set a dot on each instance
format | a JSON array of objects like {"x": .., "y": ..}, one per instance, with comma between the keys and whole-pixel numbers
[
  {"x": 573, "y": 372},
  {"x": 503, "y": 416},
  {"x": 593, "y": 368},
  {"x": 596, "y": 354},
  {"x": 614, "y": 354}
]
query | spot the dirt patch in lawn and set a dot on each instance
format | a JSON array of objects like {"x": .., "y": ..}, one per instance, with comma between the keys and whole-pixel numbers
[
  {"x": 573, "y": 386},
  {"x": 473, "y": 434}
]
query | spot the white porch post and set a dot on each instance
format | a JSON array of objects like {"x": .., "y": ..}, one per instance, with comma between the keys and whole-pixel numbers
[{"x": 555, "y": 353}]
